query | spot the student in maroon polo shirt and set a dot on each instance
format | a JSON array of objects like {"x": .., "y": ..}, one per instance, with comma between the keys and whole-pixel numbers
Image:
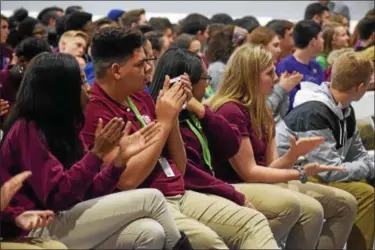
[
  {"x": 42, "y": 135},
  {"x": 207, "y": 134},
  {"x": 241, "y": 99},
  {"x": 210, "y": 222}
]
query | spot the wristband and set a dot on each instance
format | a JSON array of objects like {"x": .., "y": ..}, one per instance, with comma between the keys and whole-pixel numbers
[{"x": 302, "y": 176}]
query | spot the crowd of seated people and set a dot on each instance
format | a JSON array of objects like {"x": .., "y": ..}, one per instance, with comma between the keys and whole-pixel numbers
[{"x": 211, "y": 133}]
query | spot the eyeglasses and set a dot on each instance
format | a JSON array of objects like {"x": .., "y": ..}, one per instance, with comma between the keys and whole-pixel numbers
[
  {"x": 207, "y": 78},
  {"x": 150, "y": 59}
]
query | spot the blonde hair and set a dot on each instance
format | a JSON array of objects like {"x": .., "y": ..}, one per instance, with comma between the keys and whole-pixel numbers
[
  {"x": 336, "y": 53},
  {"x": 241, "y": 84},
  {"x": 74, "y": 33},
  {"x": 329, "y": 33},
  {"x": 337, "y": 18},
  {"x": 350, "y": 70},
  {"x": 368, "y": 53}
]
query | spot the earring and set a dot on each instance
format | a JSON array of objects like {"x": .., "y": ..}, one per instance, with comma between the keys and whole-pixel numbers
[{"x": 21, "y": 69}]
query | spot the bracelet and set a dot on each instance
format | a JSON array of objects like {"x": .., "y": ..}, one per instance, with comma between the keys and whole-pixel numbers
[{"x": 302, "y": 176}]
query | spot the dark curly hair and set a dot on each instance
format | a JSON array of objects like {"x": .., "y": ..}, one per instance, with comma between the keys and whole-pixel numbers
[
  {"x": 160, "y": 23},
  {"x": 113, "y": 44},
  {"x": 193, "y": 23},
  {"x": 222, "y": 18},
  {"x": 31, "y": 47}
]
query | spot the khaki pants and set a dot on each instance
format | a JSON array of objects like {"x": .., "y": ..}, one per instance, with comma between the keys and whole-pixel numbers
[
  {"x": 137, "y": 219},
  {"x": 281, "y": 207},
  {"x": 212, "y": 222},
  {"x": 338, "y": 208},
  {"x": 362, "y": 234},
  {"x": 32, "y": 243}
]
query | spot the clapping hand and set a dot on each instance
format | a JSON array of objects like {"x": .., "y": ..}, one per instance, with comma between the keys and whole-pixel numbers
[
  {"x": 131, "y": 145},
  {"x": 11, "y": 187},
  {"x": 30, "y": 220}
]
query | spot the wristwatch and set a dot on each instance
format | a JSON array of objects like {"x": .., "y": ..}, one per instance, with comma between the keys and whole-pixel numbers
[{"x": 302, "y": 175}]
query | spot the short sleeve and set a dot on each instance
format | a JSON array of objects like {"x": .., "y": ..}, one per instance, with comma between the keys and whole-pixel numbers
[
  {"x": 236, "y": 116},
  {"x": 280, "y": 68}
]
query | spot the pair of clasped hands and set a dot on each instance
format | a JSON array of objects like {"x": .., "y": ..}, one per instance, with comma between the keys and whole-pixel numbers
[{"x": 168, "y": 106}]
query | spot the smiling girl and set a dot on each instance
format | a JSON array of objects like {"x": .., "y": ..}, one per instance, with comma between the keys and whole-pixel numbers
[{"x": 335, "y": 37}]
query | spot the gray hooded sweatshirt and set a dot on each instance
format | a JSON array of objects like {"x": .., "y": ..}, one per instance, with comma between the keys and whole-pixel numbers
[
  {"x": 278, "y": 101},
  {"x": 317, "y": 114},
  {"x": 216, "y": 71}
]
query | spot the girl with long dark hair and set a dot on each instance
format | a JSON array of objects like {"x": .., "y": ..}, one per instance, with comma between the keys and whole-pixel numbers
[{"x": 42, "y": 135}]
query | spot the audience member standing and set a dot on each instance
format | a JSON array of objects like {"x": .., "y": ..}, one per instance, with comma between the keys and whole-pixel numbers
[{"x": 317, "y": 13}]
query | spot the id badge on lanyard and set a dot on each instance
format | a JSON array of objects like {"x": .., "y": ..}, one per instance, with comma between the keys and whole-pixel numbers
[
  {"x": 163, "y": 161},
  {"x": 196, "y": 128}
]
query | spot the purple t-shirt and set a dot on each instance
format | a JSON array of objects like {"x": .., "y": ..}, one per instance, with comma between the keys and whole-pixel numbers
[
  {"x": 311, "y": 72},
  {"x": 238, "y": 115}
]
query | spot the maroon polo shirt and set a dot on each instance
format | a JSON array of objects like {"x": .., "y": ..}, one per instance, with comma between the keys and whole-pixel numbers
[
  {"x": 224, "y": 141},
  {"x": 103, "y": 106},
  {"x": 8, "y": 91},
  {"x": 238, "y": 115},
  {"x": 51, "y": 186}
]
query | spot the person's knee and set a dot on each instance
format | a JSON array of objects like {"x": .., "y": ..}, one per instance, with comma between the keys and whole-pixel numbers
[
  {"x": 368, "y": 191},
  {"x": 312, "y": 209},
  {"x": 52, "y": 244},
  {"x": 33, "y": 243},
  {"x": 254, "y": 223},
  {"x": 17, "y": 246},
  {"x": 256, "y": 232},
  {"x": 154, "y": 194},
  {"x": 348, "y": 204},
  {"x": 207, "y": 239},
  {"x": 153, "y": 197},
  {"x": 290, "y": 209},
  {"x": 363, "y": 192},
  {"x": 286, "y": 215},
  {"x": 150, "y": 194},
  {"x": 151, "y": 235}
]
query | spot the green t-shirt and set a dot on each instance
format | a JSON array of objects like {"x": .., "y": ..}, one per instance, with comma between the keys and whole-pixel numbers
[{"x": 322, "y": 60}]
